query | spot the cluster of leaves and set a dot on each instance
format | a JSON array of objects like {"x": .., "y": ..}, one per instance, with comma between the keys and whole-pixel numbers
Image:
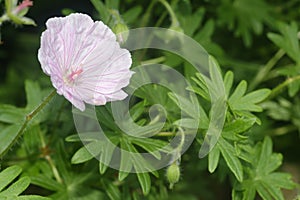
[{"x": 42, "y": 139}]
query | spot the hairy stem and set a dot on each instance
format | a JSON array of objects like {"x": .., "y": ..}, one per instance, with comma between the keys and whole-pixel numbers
[{"x": 29, "y": 118}]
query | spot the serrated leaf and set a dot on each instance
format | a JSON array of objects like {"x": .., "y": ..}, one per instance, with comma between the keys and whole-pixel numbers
[
  {"x": 245, "y": 17},
  {"x": 288, "y": 40},
  {"x": 238, "y": 101},
  {"x": 261, "y": 178}
]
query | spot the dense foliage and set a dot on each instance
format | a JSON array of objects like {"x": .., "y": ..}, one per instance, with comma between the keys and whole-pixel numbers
[{"x": 256, "y": 61}]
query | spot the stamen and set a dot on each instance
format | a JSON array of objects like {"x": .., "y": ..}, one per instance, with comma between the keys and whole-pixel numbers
[{"x": 75, "y": 74}]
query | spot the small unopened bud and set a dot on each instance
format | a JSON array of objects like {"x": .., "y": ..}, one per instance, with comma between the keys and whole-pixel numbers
[
  {"x": 173, "y": 174},
  {"x": 121, "y": 31}
]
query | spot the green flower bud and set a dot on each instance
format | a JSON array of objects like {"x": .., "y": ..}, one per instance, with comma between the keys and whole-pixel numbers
[{"x": 173, "y": 174}]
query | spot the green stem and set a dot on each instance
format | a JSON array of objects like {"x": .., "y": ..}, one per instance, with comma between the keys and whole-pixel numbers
[
  {"x": 33, "y": 113},
  {"x": 171, "y": 12},
  {"x": 29, "y": 117},
  {"x": 147, "y": 15},
  {"x": 277, "y": 90},
  {"x": 145, "y": 20},
  {"x": 264, "y": 71},
  {"x": 54, "y": 169},
  {"x": 49, "y": 159}
]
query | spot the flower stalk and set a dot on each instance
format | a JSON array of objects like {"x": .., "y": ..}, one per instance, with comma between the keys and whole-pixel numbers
[{"x": 29, "y": 117}]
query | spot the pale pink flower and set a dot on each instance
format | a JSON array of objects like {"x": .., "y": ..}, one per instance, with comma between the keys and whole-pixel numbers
[{"x": 84, "y": 60}]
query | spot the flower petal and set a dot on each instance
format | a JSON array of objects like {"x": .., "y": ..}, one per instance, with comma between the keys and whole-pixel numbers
[{"x": 84, "y": 60}]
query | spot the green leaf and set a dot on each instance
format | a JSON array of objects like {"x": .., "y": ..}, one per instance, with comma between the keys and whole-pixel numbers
[
  {"x": 228, "y": 81},
  {"x": 8, "y": 175},
  {"x": 106, "y": 155},
  {"x": 46, "y": 182},
  {"x": 10, "y": 189},
  {"x": 17, "y": 188},
  {"x": 213, "y": 159},
  {"x": 8, "y": 136},
  {"x": 102, "y": 10},
  {"x": 11, "y": 114},
  {"x": 111, "y": 190},
  {"x": 186, "y": 123},
  {"x": 112, "y": 4},
  {"x": 152, "y": 146},
  {"x": 238, "y": 101},
  {"x": 33, "y": 94},
  {"x": 245, "y": 17},
  {"x": 260, "y": 175},
  {"x": 32, "y": 197},
  {"x": 87, "y": 152},
  {"x": 132, "y": 14},
  {"x": 186, "y": 105},
  {"x": 293, "y": 88},
  {"x": 232, "y": 161},
  {"x": 202, "y": 89},
  {"x": 145, "y": 182},
  {"x": 263, "y": 191},
  {"x": 288, "y": 40},
  {"x": 232, "y": 130},
  {"x": 238, "y": 93}
]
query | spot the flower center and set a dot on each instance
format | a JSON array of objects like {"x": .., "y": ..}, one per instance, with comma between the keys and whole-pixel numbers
[{"x": 71, "y": 77}]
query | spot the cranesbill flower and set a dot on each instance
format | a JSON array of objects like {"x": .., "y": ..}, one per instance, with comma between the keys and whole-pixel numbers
[{"x": 84, "y": 60}]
